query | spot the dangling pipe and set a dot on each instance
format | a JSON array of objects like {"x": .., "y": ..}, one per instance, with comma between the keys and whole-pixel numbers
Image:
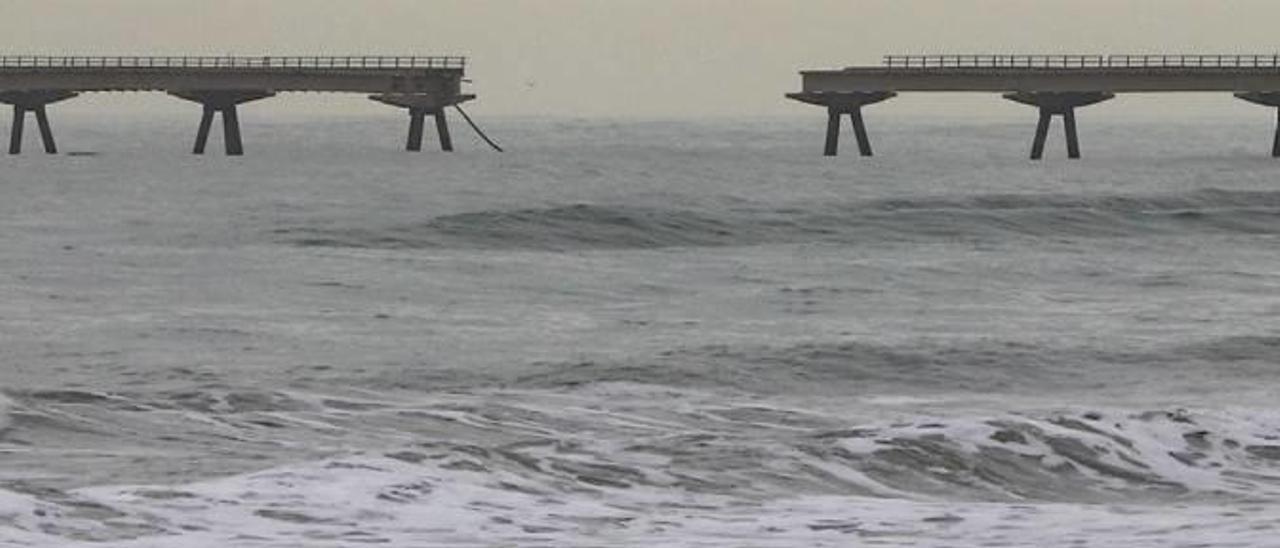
[{"x": 477, "y": 129}]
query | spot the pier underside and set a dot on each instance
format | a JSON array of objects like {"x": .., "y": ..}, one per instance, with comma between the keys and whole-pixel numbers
[
  {"x": 423, "y": 85},
  {"x": 35, "y": 102},
  {"x": 840, "y": 104},
  {"x": 227, "y": 104},
  {"x": 419, "y": 107},
  {"x": 1055, "y": 84},
  {"x": 1268, "y": 99},
  {"x": 1062, "y": 104}
]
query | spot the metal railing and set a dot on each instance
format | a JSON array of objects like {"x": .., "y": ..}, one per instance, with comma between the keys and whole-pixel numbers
[
  {"x": 1081, "y": 61},
  {"x": 1194, "y": 61},
  {"x": 265, "y": 62},
  {"x": 994, "y": 61}
]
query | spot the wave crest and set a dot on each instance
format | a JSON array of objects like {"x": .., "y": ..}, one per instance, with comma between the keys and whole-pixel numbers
[{"x": 587, "y": 226}]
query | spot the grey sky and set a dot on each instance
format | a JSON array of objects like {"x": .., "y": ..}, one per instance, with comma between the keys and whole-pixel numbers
[{"x": 638, "y": 57}]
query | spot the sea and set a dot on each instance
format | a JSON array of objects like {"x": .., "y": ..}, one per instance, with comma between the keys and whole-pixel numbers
[{"x": 627, "y": 333}]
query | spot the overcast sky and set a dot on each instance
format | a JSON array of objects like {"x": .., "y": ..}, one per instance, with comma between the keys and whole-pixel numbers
[{"x": 651, "y": 58}]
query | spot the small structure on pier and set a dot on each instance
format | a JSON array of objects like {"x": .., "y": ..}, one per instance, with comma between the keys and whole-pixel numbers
[
  {"x": 422, "y": 85},
  {"x": 1055, "y": 84}
]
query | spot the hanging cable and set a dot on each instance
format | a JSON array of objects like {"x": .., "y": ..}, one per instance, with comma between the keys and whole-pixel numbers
[{"x": 477, "y": 128}]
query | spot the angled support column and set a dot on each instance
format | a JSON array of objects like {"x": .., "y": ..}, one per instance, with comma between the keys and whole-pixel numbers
[
  {"x": 15, "y": 137},
  {"x": 442, "y": 130},
  {"x": 420, "y": 106},
  {"x": 1267, "y": 99},
  {"x": 225, "y": 102},
  {"x": 839, "y": 104},
  {"x": 833, "y": 132},
  {"x": 1062, "y": 104},
  {"x": 206, "y": 124},
  {"x": 33, "y": 102},
  {"x": 417, "y": 119}
]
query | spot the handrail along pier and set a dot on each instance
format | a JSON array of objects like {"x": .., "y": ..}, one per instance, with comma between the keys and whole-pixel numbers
[
  {"x": 424, "y": 85},
  {"x": 1055, "y": 84}
]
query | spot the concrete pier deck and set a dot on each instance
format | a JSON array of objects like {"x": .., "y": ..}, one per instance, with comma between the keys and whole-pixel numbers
[
  {"x": 1056, "y": 84},
  {"x": 422, "y": 85}
]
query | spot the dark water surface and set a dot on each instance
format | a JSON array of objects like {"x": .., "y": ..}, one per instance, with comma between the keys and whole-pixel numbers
[{"x": 642, "y": 333}]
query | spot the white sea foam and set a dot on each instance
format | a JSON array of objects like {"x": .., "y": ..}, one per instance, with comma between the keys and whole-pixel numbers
[
  {"x": 639, "y": 334},
  {"x": 370, "y": 499}
]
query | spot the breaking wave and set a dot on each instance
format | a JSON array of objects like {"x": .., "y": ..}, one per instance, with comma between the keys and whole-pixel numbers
[
  {"x": 589, "y": 226},
  {"x": 694, "y": 472}
]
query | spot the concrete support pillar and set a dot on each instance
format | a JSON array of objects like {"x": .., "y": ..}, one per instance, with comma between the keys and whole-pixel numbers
[
  {"x": 1073, "y": 139},
  {"x": 1062, "y": 104},
  {"x": 442, "y": 129},
  {"x": 15, "y": 137},
  {"x": 1268, "y": 99},
  {"x": 1275, "y": 145},
  {"x": 421, "y": 105},
  {"x": 46, "y": 132},
  {"x": 226, "y": 103},
  {"x": 417, "y": 121},
  {"x": 202, "y": 134},
  {"x": 839, "y": 104},
  {"x": 1042, "y": 134},
  {"x": 32, "y": 102},
  {"x": 860, "y": 131},
  {"x": 833, "y": 132},
  {"x": 231, "y": 131}
]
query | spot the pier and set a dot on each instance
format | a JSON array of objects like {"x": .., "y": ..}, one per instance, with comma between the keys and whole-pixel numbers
[
  {"x": 1056, "y": 85},
  {"x": 423, "y": 86}
]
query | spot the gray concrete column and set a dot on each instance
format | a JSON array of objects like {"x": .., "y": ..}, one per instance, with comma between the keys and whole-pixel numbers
[
  {"x": 839, "y": 104},
  {"x": 1073, "y": 140},
  {"x": 34, "y": 102},
  {"x": 206, "y": 124},
  {"x": 46, "y": 132},
  {"x": 421, "y": 105},
  {"x": 1052, "y": 104},
  {"x": 1042, "y": 134},
  {"x": 417, "y": 121},
  {"x": 15, "y": 136},
  {"x": 231, "y": 131},
  {"x": 860, "y": 131},
  {"x": 1275, "y": 145},
  {"x": 833, "y": 132},
  {"x": 226, "y": 103},
  {"x": 442, "y": 128}
]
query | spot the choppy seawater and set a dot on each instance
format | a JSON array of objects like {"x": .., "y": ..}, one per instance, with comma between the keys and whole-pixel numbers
[{"x": 641, "y": 333}]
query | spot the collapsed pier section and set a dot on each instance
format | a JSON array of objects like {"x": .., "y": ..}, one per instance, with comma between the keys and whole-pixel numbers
[
  {"x": 1057, "y": 85},
  {"x": 423, "y": 85}
]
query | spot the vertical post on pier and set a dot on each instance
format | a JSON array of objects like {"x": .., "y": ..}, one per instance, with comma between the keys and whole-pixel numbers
[
  {"x": 231, "y": 131},
  {"x": 442, "y": 128},
  {"x": 34, "y": 102},
  {"x": 833, "y": 132},
  {"x": 1052, "y": 104},
  {"x": 860, "y": 131},
  {"x": 417, "y": 121},
  {"x": 1073, "y": 140},
  {"x": 206, "y": 124},
  {"x": 421, "y": 105},
  {"x": 15, "y": 137},
  {"x": 1275, "y": 146},
  {"x": 224, "y": 102},
  {"x": 1042, "y": 134},
  {"x": 46, "y": 132},
  {"x": 838, "y": 104}
]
